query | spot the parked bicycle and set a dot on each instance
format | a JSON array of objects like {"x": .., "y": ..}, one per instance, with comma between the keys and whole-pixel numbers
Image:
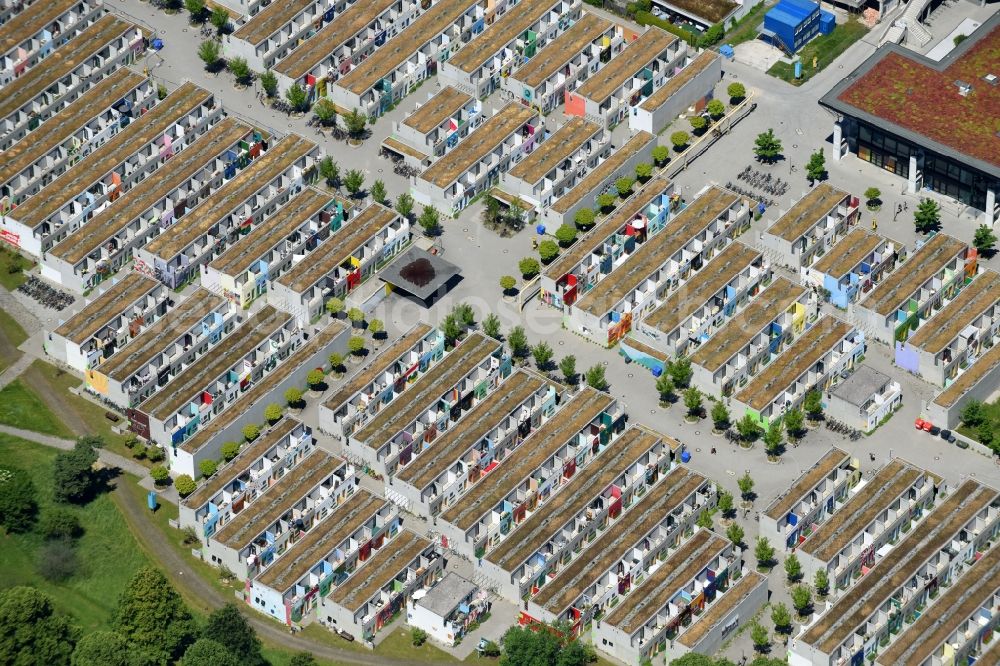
[{"x": 46, "y": 295}]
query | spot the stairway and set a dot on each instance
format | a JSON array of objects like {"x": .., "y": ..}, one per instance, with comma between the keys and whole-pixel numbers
[{"x": 916, "y": 33}]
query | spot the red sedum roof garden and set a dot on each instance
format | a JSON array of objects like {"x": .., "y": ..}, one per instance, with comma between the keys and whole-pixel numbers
[{"x": 928, "y": 101}]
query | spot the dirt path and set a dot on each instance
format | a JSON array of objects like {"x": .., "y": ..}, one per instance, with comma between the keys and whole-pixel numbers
[
  {"x": 53, "y": 399},
  {"x": 189, "y": 584}
]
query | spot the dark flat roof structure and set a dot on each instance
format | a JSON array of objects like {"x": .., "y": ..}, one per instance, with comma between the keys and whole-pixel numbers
[
  {"x": 419, "y": 273},
  {"x": 427, "y": 390},
  {"x": 915, "y": 271},
  {"x": 452, "y": 444},
  {"x": 713, "y": 276},
  {"x": 920, "y": 99},
  {"x": 447, "y": 594},
  {"x": 848, "y": 253},
  {"x": 935, "y": 335},
  {"x": 561, "y": 50},
  {"x": 549, "y": 518},
  {"x": 861, "y": 385},
  {"x": 167, "y": 329},
  {"x": 805, "y": 484},
  {"x": 84, "y": 324},
  {"x": 742, "y": 328},
  {"x": 247, "y": 455},
  {"x": 913, "y": 550},
  {"x": 573, "y": 417},
  {"x": 613, "y": 543}
]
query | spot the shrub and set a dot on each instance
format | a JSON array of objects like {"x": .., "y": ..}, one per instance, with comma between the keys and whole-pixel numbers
[
  {"x": 57, "y": 561},
  {"x": 698, "y": 123},
  {"x": 376, "y": 328},
  {"x": 208, "y": 467},
  {"x": 185, "y": 485},
  {"x": 644, "y": 171},
  {"x": 231, "y": 449},
  {"x": 418, "y": 636},
  {"x": 548, "y": 250},
  {"x": 155, "y": 454},
  {"x": 356, "y": 345},
  {"x": 679, "y": 140},
  {"x": 584, "y": 218},
  {"x": 605, "y": 201},
  {"x": 529, "y": 267},
  {"x": 269, "y": 82},
  {"x": 660, "y": 155},
  {"x": 737, "y": 91},
  {"x": 566, "y": 235},
  {"x": 315, "y": 378},
  {"x": 334, "y": 306},
  {"x": 251, "y": 431},
  {"x": 356, "y": 315},
  {"x": 293, "y": 395},
  {"x": 160, "y": 474},
  {"x": 60, "y": 524},
  {"x": 624, "y": 186},
  {"x": 507, "y": 283},
  {"x": 272, "y": 413},
  {"x": 716, "y": 108}
]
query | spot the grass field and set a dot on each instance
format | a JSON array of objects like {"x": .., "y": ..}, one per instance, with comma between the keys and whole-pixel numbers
[
  {"x": 824, "y": 49},
  {"x": 11, "y": 336},
  {"x": 12, "y": 280},
  {"x": 107, "y": 552},
  {"x": 21, "y": 407}
]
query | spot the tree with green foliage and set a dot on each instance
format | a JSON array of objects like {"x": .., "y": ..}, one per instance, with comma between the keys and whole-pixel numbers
[
  {"x": 272, "y": 413},
  {"x": 643, "y": 171},
  {"x": 73, "y": 475},
  {"x": 624, "y": 186},
  {"x": 690, "y": 659},
  {"x": 716, "y": 108},
  {"x": 378, "y": 192},
  {"x": 377, "y": 329},
  {"x": 297, "y": 97},
  {"x": 208, "y": 467},
  {"x": 18, "y": 500},
  {"x": 542, "y": 354},
  {"x": 354, "y": 181},
  {"x": 735, "y": 534},
  {"x": 355, "y": 122},
  {"x": 155, "y": 454},
  {"x": 160, "y": 474},
  {"x": 522, "y": 646},
  {"x": 465, "y": 314},
  {"x": 197, "y": 10},
  {"x": 566, "y": 234},
  {"x": 605, "y": 202},
  {"x": 548, "y": 250},
  {"x": 31, "y": 632},
  {"x": 107, "y": 648},
  {"x": 206, "y": 652},
  {"x": 452, "y": 330},
  {"x": 584, "y": 218},
  {"x": 816, "y": 166},
  {"x": 315, "y": 379},
  {"x": 219, "y": 18},
  {"x": 680, "y": 140},
  {"x": 404, "y": 205},
  {"x": 325, "y": 111},
  {"x": 517, "y": 340},
  {"x": 713, "y": 35},
  {"x": 418, "y": 636},
  {"x": 660, "y": 155},
  {"x": 758, "y": 635},
  {"x": 748, "y": 428},
  {"x": 927, "y": 216},
  {"x": 210, "y": 53},
  {"x": 240, "y": 70},
  {"x": 746, "y": 485},
  {"x": 229, "y": 628},
  {"x": 665, "y": 388},
  {"x": 329, "y": 171},
  {"x": 595, "y": 377},
  {"x": 782, "y": 618},
  {"x": 230, "y": 450},
  {"x": 704, "y": 520},
  {"x": 801, "y": 599},
  {"x": 334, "y": 306},
  {"x": 152, "y": 617},
  {"x": 430, "y": 221},
  {"x": 507, "y": 284},
  {"x": 873, "y": 201},
  {"x": 720, "y": 415},
  {"x": 821, "y": 581},
  {"x": 985, "y": 240},
  {"x": 973, "y": 413},
  {"x": 680, "y": 371},
  {"x": 794, "y": 423},
  {"x": 491, "y": 326},
  {"x": 293, "y": 394},
  {"x": 60, "y": 523},
  {"x": 693, "y": 401},
  {"x": 793, "y": 568},
  {"x": 269, "y": 82},
  {"x": 813, "y": 405},
  {"x": 184, "y": 485},
  {"x": 529, "y": 267},
  {"x": 767, "y": 147},
  {"x": 773, "y": 437},
  {"x": 356, "y": 346},
  {"x": 698, "y": 124},
  {"x": 737, "y": 92},
  {"x": 357, "y": 316},
  {"x": 764, "y": 552},
  {"x": 567, "y": 366},
  {"x": 251, "y": 431},
  {"x": 726, "y": 505}
]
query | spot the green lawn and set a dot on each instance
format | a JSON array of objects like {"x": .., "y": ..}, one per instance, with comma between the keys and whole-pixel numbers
[
  {"x": 107, "y": 552},
  {"x": 11, "y": 336},
  {"x": 991, "y": 414},
  {"x": 824, "y": 48},
  {"x": 12, "y": 280},
  {"x": 21, "y": 407},
  {"x": 746, "y": 30}
]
